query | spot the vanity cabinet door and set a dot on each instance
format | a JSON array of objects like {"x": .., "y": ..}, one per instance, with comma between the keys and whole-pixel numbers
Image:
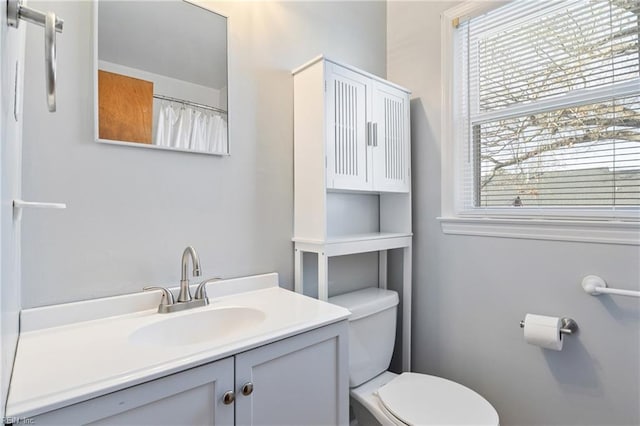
[
  {"x": 302, "y": 380},
  {"x": 193, "y": 397},
  {"x": 348, "y": 104},
  {"x": 391, "y": 150}
]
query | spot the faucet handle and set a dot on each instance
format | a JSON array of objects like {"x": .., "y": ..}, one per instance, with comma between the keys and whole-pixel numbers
[
  {"x": 167, "y": 296},
  {"x": 201, "y": 290}
]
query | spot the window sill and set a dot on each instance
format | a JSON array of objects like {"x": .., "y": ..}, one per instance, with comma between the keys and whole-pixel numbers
[{"x": 605, "y": 232}]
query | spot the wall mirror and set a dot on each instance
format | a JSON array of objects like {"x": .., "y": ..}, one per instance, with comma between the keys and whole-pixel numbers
[{"x": 161, "y": 76}]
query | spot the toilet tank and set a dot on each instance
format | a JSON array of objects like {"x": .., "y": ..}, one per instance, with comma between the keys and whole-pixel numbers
[{"x": 372, "y": 331}]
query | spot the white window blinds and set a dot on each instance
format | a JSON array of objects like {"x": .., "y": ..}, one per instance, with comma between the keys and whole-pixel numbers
[{"x": 548, "y": 107}]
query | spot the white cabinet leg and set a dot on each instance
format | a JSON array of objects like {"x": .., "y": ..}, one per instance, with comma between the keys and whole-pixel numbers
[
  {"x": 323, "y": 277},
  {"x": 298, "y": 271},
  {"x": 382, "y": 269},
  {"x": 406, "y": 309}
]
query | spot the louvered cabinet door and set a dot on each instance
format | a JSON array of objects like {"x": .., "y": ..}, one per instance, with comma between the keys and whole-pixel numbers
[
  {"x": 391, "y": 148},
  {"x": 346, "y": 130}
]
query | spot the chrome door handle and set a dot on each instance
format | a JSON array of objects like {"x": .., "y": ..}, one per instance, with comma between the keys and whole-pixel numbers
[
  {"x": 17, "y": 11},
  {"x": 50, "y": 59}
]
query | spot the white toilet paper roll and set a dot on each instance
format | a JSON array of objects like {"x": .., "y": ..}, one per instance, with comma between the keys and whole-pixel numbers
[{"x": 543, "y": 331}]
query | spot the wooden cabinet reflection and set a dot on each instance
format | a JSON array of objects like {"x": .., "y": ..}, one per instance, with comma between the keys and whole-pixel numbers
[{"x": 126, "y": 108}]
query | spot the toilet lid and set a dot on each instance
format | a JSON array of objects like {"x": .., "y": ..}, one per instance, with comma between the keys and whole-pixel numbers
[{"x": 419, "y": 399}]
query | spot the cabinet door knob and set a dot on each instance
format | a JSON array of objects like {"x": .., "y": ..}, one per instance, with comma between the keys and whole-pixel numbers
[
  {"x": 228, "y": 397},
  {"x": 247, "y": 388}
]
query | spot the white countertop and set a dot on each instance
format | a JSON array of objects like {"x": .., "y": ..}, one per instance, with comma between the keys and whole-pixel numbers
[{"x": 60, "y": 362}]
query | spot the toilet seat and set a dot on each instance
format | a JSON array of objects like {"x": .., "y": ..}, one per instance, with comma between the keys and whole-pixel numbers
[{"x": 420, "y": 399}]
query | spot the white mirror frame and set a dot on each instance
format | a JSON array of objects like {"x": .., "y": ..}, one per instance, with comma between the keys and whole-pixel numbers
[{"x": 143, "y": 145}]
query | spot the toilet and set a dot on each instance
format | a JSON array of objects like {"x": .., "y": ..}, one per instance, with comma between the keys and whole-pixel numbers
[{"x": 379, "y": 397}]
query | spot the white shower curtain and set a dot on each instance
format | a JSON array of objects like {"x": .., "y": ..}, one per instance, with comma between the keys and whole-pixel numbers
[
  {"x": 167, "y": 119},
  {"x": 189, "y": 128},
  {"x": 182, "y": 131},
  {"x": 217, "y": 134},
  {"x": 199, "y": 133}
]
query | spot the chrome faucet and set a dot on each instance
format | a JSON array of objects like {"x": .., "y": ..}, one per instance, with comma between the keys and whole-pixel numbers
[
  {"x": 185, "y": 301},
  {"x": 185, "y": 294}
]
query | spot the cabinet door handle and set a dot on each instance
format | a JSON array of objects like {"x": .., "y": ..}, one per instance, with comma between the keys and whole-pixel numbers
[
  {"x": 228, "y": 397},
  {"x": 375, "y": 134},
  {"x": 369, "y": 133},
  {"x": 247, "y": 389}
]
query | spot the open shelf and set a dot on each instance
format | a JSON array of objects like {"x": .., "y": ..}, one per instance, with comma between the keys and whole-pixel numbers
[{"x": 356, "y": 243}]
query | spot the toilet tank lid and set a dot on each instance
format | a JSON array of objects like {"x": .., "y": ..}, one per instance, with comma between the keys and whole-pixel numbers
[{"x": 366, "y": 302}]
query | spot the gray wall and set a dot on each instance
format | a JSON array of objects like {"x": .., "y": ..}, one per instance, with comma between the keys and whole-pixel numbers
[
  {"x": 471, "y": 292},
  {"x": 131, "y": 211}
]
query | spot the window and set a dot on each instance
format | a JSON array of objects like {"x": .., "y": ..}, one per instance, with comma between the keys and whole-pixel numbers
[{"x": 546, "y": 101}]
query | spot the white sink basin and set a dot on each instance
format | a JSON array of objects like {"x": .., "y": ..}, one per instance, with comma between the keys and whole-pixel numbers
[{"x": 197, "y": 327}]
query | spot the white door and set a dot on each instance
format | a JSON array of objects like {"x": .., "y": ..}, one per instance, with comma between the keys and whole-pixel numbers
[
  {"x": 348, "y": 102},
  {"x": 391, "y": 148},
  {"x": 12, "y": 42},
  {"x": 302, "y": 380}
]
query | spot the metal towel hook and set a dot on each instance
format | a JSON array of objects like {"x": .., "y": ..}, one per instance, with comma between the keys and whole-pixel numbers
[{"x": 17, "y": 11}]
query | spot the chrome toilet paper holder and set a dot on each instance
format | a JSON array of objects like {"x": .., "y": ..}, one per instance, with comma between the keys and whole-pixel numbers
[{"x": 569, "y": 326}]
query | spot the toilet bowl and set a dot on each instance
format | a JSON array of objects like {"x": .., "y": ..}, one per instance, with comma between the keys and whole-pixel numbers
[{"x": 379, "y": 397}]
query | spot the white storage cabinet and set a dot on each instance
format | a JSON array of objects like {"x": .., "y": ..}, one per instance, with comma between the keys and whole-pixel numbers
[
  {"x": 352, "y": 173},
  {"x": 301, "y": 380},
  {"x": 366, "y": 127}
]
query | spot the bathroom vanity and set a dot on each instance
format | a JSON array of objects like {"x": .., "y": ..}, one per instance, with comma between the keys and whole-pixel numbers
[{"x": 258, "y": 354}]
